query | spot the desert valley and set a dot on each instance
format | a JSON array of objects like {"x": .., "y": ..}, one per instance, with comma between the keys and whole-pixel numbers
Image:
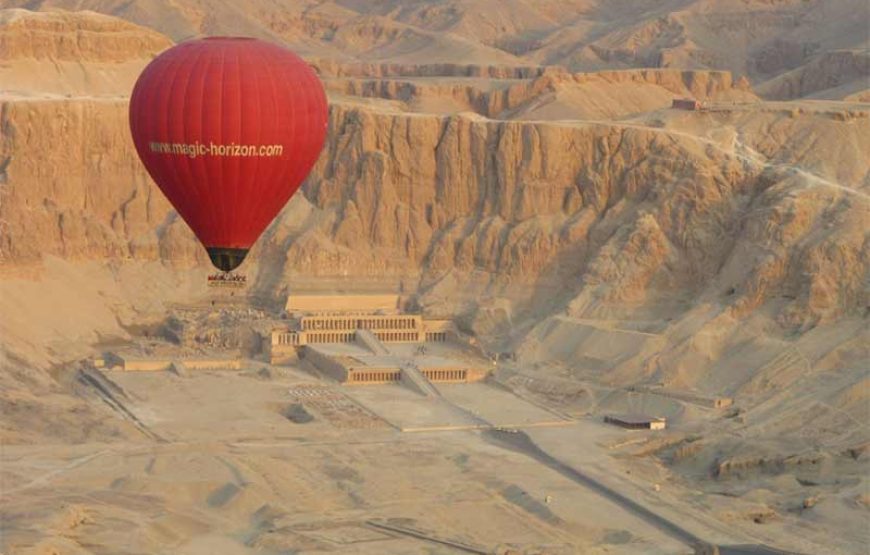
[{"x": 600, "y": 207}]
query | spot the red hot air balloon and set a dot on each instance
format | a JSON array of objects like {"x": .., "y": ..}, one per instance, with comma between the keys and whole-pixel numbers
[{"x": 228, "y": 127}]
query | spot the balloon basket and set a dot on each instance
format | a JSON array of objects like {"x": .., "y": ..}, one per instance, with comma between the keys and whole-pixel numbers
[{"x": 227, "y": 280}]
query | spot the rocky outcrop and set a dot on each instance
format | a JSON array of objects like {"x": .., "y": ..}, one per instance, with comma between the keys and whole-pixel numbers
[
  {"x": 80, "y": 37},
  {"x": 599, "y": 95},
  {"x": 65, "y": 54},
  {"x": 336, "y": 68},
  {"x": 760, "y": 39},
  {"x": 834, "y": 75},
  {"x": 536, "y": 199},
  {"x": 619, "y": 218},
  {"x": 73, "y": 186}
]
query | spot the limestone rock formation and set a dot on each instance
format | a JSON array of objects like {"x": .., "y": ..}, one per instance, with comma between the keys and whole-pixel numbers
[
  {"x": 555, "y": 94},
  {"x": 569, "y": 217},
  {"x": 74, "y": 187},
  {"x": 72, "y": 53},
  {"x": 75, "y": 36},
  {"x": 840, "y": 74},
  {"x": 759, "y": 39}
]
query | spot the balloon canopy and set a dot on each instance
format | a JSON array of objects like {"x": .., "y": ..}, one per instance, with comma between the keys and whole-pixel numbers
[{"x": 228, "y": 128}]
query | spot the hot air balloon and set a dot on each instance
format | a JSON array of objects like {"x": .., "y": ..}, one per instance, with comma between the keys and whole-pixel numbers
[{"x": 228, "y": 128}]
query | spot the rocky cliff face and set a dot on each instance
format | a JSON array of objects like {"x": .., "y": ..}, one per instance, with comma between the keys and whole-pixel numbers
[
  {"x": 517, "y": 224},
  {"x": 836, "y": 75},
  {"x": 75, "y": 36},
  {"x": 64, "y": 54},
  {"x": 624, "y": 213},
  {"x": 617, "y": 216},
  {"x": 759, "y": 39},
  {"x": 74, "y": 187},
  {"x": 553, "y": 95}
]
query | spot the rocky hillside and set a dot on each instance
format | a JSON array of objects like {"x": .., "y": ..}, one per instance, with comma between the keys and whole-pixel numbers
[
  {"x": 841, "y": 74},
  {"x": 570, "y": 217},
  {"x": 554, "y": 95},
  {"x": 72, "y": 53},
  {"x": 85, "y": 37},
  {"x": 758, "y": 39},
  {"x": 636, "y": 218}
]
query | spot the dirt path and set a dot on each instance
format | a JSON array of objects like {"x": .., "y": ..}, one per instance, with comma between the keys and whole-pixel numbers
[{"x": 520, "y": 442}]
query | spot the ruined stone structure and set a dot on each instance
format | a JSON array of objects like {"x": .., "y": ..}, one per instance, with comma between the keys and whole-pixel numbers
[
  {"x": 344, "y": 336},
  {"x": 319, "y": 319},
  {"x": 341, "y": 328},
  {"x": 352, "y": 365}
]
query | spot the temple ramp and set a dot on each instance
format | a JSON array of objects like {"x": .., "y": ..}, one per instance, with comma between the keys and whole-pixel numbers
[
  {"x": 370, "y": 341},
  {"x": 414, "y": 378}
]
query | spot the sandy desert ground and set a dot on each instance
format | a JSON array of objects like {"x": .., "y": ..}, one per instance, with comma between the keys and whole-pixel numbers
[{"x": 513, "y": 166}]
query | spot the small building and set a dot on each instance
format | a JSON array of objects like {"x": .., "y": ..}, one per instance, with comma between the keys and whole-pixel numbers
[
  {"x": 636, "y": 421},
  {"x": 138, "y": 363},
  {"x": 686, "y": 104},
  {"x": 144, "y": 364},
  {"x": 342, "y": 304}
]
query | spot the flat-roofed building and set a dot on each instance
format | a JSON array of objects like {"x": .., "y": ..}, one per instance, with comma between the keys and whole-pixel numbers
[
  {"x": 685, "y": 104},
  {"x": 353, "y": 365},
  {"x": 314, "y": 304},
  {"x": 438, "y": 331},
  {"x": 333, "y": 319},
  {"x": 138, "y": 363},
  {"x": 636, "y": 421}
]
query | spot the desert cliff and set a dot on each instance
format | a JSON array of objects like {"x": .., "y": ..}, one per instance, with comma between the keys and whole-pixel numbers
[{"x": 528, "y": 179}]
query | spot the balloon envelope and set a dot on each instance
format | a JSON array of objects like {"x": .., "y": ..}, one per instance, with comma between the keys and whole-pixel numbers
[{"x": 228, "y": 128}]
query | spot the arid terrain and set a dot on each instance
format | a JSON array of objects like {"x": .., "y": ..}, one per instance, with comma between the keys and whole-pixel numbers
[{"x": 514, "y": 166}]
